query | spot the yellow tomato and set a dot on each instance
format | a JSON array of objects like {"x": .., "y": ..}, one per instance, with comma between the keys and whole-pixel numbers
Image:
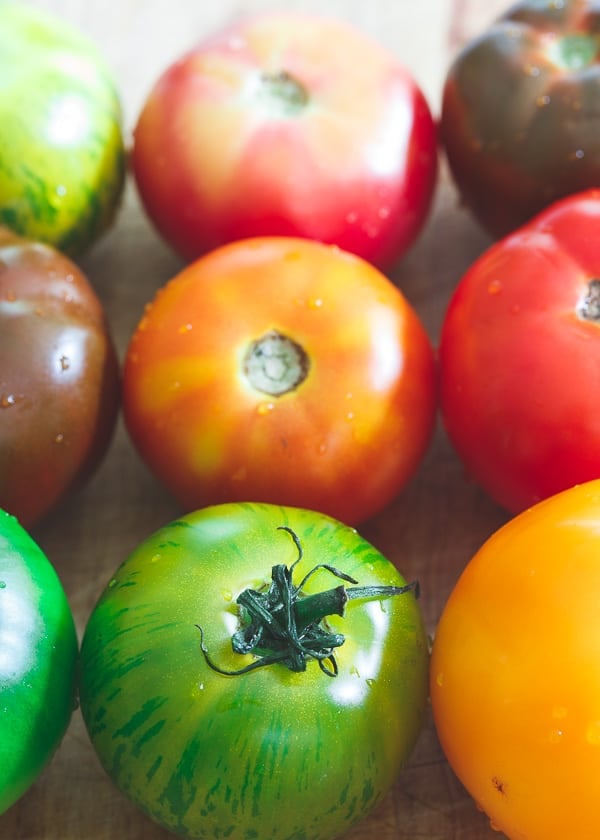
[{"x": 515, "y": 672}]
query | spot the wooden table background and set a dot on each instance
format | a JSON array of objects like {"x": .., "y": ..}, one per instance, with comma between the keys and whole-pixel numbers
[{"x": 430, "y": 531}]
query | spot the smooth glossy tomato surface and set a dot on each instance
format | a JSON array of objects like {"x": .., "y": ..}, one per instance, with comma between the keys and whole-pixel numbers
[
  {"x": 59, "y": 378},
  {"x": 520, "y": 357},
  {"x": 287, "y": 124},
  {"x": 62, "y": 155},
  {"x": 520, "y": 113},
  {"x": 515, "y": 671},
  {"x": 38, "y": 658},
  {"x": 281, "y": 370},
  {"x": 280, "y": 751}
]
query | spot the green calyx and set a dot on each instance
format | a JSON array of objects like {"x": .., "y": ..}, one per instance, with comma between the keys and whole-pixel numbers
[
  {"x": 283, "y": 91},
  {"x": 574, "y": 52},
  {"x": 282, "y": 625}
]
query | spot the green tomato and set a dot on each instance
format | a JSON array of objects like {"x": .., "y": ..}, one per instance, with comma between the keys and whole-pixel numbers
[
  {"x": 221, "y": 701},
  {"x": 62, "y": 158},
  {"x": 38, "y": 656}
]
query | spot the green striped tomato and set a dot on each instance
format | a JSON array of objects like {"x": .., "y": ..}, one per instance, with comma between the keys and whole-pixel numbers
[
  {"x": 38, "y": 656},
  {"x": 312, "y": 733},
  {"x": 62, "y": 157}
]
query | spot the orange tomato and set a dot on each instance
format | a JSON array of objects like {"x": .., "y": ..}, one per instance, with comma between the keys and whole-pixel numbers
[
  {"x": 515, "y": 671},
  {"x": 281, "y": 370}
]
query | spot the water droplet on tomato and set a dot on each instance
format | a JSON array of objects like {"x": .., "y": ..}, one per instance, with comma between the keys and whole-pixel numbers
[
  {"x": 555, "y": 736},
  {"x": 494, "y": 287},
  {"x": 59, "y": 438},
  {"x": 227, "y": 594},
  {"x": 439, "y": 680},
  {"x": 383, "y": 212},
  {"x": 322, "y": 448},
  {"x": 2, "y": 584},
  {"x": 352, "y": 217},
  {"x": 185, "y": 328},
  {"x": 265, "y": 408},
  {"x": 370, "y": 681},
  {"x": 112, "y": 583},
  {"x": 315, "y": 303},
  {"x": 7, "y": 400},
  {"x": 155, "y": 558}
]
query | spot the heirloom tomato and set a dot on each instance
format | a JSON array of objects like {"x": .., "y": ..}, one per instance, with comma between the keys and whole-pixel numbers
[
  {"x": 62, "y": 157},
  {"x": 515, "y": 671},
  {"x": 520, "y": 120},
  {"x": 59, "y": 377},
  {"x": 520, "y": 357},
  {"x": 287, "y": 124},
  {"x": 255, "y": 671},
  {"x": 38, "y": 655},
  {"x": 281, "y": 370}
]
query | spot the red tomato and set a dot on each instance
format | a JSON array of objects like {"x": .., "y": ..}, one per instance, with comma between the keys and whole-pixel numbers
[
  {"x": 515, "y": 672},
  {"x": 287, "y": 124},
  {"x": 520, "y": 357},
  {"x": 281, "y": 370},
  {"x": 59, "y": 378}
]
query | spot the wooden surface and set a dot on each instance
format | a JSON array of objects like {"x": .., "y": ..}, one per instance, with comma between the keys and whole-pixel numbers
[{"x": 430, "y": 531}]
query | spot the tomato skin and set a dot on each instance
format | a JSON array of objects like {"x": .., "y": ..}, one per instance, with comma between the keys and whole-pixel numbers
[
  {"x": 62, "y": 155},
  {"x": 321, "y": 134},
  {"x": 515, "y": 682},
  {"x": 272, "y": 753},
  {"x": 519, "y": 120},
  {"x": 59, "y": 378},
  {"x": 520, "y": 366},
  {"x": 361, "y": 418},
  {"x": 37, "y": 666}
]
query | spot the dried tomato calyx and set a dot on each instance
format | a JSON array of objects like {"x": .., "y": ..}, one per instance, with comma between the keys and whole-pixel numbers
[
  {"x": 281, "y": 624},
  {"x": 589, "y": 305},
  {"x": 275, "y": 364}
]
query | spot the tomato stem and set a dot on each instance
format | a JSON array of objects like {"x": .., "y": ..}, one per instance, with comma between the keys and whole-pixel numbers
[{"x": 283, "y": 625}]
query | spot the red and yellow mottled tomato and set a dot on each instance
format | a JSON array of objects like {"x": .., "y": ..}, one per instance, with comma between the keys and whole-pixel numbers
[
  {"x": 287, "y": 124},
  {"x": 281, "y": 370},
  {"x": 515, "y": 671}
]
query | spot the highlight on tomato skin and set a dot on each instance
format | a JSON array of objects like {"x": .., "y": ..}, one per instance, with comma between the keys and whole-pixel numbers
[
  {"x": 281, "y": 370},
  {"x": 291, "y": 124},
  {"x": 515, "y": 675}
]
